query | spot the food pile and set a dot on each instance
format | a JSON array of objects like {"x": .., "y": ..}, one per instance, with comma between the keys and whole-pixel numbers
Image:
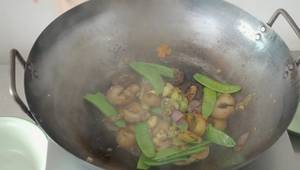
[{"x": 164, "y": 121}]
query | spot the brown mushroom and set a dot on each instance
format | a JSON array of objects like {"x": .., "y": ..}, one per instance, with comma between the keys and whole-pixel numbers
[
  {"x": 199, "y": 125},
  {"x": 225, "y": 105},
  {"x": 178, "y": 78},
  {"x": 191, "y": 92}
]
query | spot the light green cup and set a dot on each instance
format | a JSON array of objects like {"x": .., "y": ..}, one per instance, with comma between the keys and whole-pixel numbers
[{"x": 23, "y": 146}]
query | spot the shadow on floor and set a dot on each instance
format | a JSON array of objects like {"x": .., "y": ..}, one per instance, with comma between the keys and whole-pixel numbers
[{"x": 295, "y": 140}]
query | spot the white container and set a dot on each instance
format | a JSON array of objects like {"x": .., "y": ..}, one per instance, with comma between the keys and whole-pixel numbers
[{"x": 23, "y": 146}]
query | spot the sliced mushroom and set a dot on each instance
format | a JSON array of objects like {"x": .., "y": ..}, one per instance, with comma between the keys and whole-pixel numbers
[
  {"x": 178, "y": 78},
  {"x": 187, "y": 137},
  {"x": 225, "y": 106},
  {"x": 191, "y": 92},
  {"x": 200, "y": 125}
]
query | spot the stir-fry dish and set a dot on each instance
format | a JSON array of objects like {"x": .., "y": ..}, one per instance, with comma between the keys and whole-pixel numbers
[{"x": 166, "y": 122}]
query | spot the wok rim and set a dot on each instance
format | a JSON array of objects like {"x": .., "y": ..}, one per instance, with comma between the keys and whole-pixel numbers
[{"x": 67, "y": 15}]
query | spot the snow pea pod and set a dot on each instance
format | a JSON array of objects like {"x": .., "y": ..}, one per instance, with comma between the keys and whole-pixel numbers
[
  {"x": 174, "y": 153},
  {"x": 144, "y": 140},
  {"x": 166, "y": 153},
  {"x": 158, "y": 68},
  {"x": 215, "y": 85},
  {"x": 151, "y": 76},
  {"x": 141, "y": 163},
  {"x": 209, "y": 101},
  {"x": 100, "y": 101},
  {"x": 170, "y": 155},
  {"x": 218, "y": 137}
]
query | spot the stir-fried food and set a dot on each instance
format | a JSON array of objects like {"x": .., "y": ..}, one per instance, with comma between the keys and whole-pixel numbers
[{"x": 169, "y": 125}]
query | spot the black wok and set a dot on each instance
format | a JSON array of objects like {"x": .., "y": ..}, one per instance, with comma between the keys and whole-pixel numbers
[{"x": 80, "y": 51}]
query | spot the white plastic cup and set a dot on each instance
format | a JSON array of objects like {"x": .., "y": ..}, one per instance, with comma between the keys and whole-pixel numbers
[{"x": 23, "y": 146}]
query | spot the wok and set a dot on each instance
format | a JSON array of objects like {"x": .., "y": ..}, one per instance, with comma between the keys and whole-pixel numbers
[{"x": 80, "y": 51}]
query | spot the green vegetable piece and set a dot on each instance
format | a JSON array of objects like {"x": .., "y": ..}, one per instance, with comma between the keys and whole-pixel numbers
[
  {"x": 120, "y": 123},
  {"x": 174, "y": 153},
  {"x": 164, "y": 153},
  {"x": 218, "y": 137},
  {"x": 188, "y": 152},
  {"x": 156, "y": 82},
  {"x": 209, "y": 101},
  {"x": 183, "y": 104},
  {"x": 158, "y": 68},
  {"x": 179, "y": 100},
  {"x": 215, "y": 85},
  {"x": 175, "y": 96},
  {"x": 141, "y": 163},
  {"x": 100, "y": 101},
  {"x": 156, "y": 110},
  {"x": 168, "y": 89},
  {"x": 144, "y": 140},
  {"x": 151, "y": 76}
]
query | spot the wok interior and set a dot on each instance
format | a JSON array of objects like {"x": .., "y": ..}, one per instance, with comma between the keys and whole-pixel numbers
[{"x": 79, "y": 53}]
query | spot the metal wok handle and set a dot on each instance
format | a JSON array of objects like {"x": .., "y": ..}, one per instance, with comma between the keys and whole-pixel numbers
[
  {"x": 14, "y": 54},
  {"x": 287, "y": 17}
]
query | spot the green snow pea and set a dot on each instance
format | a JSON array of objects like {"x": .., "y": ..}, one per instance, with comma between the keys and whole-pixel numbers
[
  {"x": 209, "y": 101},
  {"x": 144, "y": 139},
  {"x": 215, "y": 85},
  {"x": 151, "y": 76},
  {"x": 158, "y": 68},
  {"x": 100, "y": 101},
  {"x": 218, "y": 137},
  {"x": 141, "y": 163}
]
